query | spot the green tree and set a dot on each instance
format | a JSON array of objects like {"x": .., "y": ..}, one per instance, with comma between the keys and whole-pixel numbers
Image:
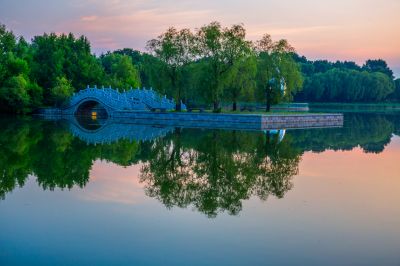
[
  {"x": 120, "y": 71},
  {"x": 61, "y": 92},
  {"x": 378, "y": 65},
  {"x": 7, "y": 40},
  {"x": 35, "y": 94},
  {"x": 16, "y": 89},
  {"x": 57, "y": 56},
  {"x": 48, "y": 61},
  {"x": 396, "y": 93},
  {"x": 239, "y": 82},
  {"x": 7, "y": 46},
  {"x": 13, "y": 95},
  {"x": 348, "y": 85},
  {"x": 345, "y": 81},
  {"x": 147, "y": 65},
  {"x": 154, "y": 75},
  {"x": 175, "y": 49},
  {"x": 196, "y": 83},
  {"x": 278, "y": 75},
  {"x": 220, "y": 48}
]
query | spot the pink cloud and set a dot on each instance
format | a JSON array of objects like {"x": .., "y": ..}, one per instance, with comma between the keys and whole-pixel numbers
[
  {"x": 109, "y": 32},
  {"x": 115, "y": 184},
  {"x": 88, "y": 18}
]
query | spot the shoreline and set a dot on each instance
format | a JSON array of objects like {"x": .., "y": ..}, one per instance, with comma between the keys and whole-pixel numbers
[{"x": 221, "y": 120}]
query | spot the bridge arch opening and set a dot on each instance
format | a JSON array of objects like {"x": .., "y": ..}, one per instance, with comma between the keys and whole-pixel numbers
[
  {"x": 91, "y": 115},
  {"x": 91, "y": 108}
]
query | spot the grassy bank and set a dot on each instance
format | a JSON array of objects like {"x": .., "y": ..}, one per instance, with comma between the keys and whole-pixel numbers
[
  {"x": 210, "y": 111},
  {"x": 355, "y": 107}
]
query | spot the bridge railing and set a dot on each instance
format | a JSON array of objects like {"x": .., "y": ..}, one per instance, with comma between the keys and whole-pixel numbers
[{"x": 133, "y": 99}]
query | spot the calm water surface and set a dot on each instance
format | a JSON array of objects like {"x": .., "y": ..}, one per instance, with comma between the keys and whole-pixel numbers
[{"x": 78, "y": 193}]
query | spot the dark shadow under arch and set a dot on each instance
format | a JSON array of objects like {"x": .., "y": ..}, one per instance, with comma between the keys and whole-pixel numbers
[
  {"x": 91, "y": 115},
  {"x": 87, "y": 108}
]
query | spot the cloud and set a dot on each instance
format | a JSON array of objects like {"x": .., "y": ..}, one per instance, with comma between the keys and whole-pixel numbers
[
  {"x": 109, "y": 43},
  {"x": 133, "y": 29},
  {"x": 285, "y": 32},
  {"x": 114, "y": 184},
  {"x": 88, "y": 18},
  {"x": 341, "y": 30}
]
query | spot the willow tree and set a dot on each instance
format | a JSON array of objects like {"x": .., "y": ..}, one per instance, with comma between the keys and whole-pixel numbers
[
  {"x": 239, "y": 83},
  {"x": 215, "y": 171},
  {"x": 175, "y": 49},
  {"x": 220, "y": 48},
  {"x": 278, "y": 74}
]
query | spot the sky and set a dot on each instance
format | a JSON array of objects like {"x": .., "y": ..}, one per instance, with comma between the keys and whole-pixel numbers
[{"x": 353, "y": 30}]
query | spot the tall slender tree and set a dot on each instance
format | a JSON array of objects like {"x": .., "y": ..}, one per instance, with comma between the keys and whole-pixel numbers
[
  {"x": 175, "y": 49},
  {"x": 278, "y": 75},
  {"x": 220, "y": 48},
  {"x": 239, "y": 83}
]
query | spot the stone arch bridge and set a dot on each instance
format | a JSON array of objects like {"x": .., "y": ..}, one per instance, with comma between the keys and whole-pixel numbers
[{"x": 104, "y": 101}]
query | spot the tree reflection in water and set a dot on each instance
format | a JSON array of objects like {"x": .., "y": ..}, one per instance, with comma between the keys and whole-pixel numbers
[
  {"x": 211, "y": 170},
  {"x": 215, "y": 170}
]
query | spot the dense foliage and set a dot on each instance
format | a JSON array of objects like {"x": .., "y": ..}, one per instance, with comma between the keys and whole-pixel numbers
[
  {"x": 47, "y": 71},
  {"x": 396, "y": 94},
  {"x": 209, "y": 66},
  {"x": 212, "y": 65},
  {"x": 346, "y": 81},
  {"x": 278, "y": 75}
]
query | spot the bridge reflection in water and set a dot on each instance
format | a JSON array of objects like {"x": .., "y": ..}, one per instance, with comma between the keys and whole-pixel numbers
[
  {"x": 107, "y": 130},
  {"x": 101, "y": 129}
]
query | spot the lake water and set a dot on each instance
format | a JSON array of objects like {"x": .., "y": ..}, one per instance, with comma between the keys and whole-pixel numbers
[{"x": 89, "y": 194}]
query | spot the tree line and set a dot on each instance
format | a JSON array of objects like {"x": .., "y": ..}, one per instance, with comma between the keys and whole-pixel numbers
[
  {"x": 47, "y": 71},
  {"x": 346, "y": 81},
  {"x": 214, "y": 64},
  {"x": 209, "y": 66}
]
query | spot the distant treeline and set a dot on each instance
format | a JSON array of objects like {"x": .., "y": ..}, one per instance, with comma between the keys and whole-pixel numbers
[{"x": 326, "y": 81}]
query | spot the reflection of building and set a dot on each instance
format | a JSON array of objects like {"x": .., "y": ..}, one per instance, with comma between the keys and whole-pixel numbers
[{"x": 280, "y": 133}]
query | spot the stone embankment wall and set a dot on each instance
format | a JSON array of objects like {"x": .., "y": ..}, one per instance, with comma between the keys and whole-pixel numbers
[
  {"x": 234, "y": 121},
  {"x": 227, "y": 121}
]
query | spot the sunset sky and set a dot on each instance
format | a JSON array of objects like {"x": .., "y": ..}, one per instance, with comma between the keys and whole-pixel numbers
[{"x": 319, "y": 29}]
